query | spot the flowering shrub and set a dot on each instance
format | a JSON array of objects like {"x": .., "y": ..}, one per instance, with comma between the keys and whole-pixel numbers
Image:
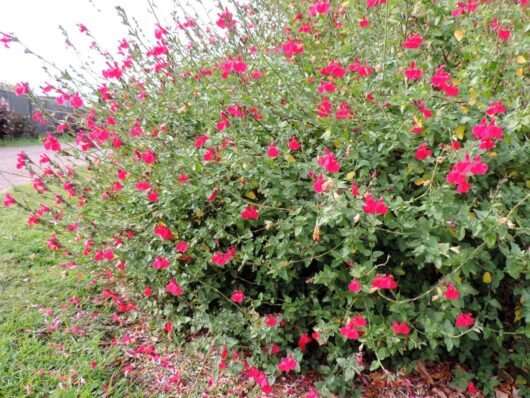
[{"x": 324, "y": 185}]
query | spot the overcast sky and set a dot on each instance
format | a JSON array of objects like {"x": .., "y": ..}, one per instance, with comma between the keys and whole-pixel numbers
[{"x": 35, "y": 22}]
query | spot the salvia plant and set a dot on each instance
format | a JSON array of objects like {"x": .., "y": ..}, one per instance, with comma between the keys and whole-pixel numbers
[{"x": 339, "y": 187}]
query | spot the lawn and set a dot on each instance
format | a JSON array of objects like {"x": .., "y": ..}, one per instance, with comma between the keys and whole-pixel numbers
[
  {"x": 35, "y": 360},
  {"x": 20, "y": 142}
]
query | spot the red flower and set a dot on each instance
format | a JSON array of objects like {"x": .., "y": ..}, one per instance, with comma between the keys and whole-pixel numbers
[
  {"x": 287, "y": 364},
  {"x": 451, "y": 293},
  {"x": 319, "y": 8},
  {"x": 272, "y": 151},
  {"x": 364, "y": 23},
  {"x": 496, "y": 108},
  {"x": 181, "y": 247},
  {"x": 351, "y": 330},
  {"x": 174, "y": 288},
  {"x": 374, "y": 207},
  {"x": 200, "y": 140},
  {"x": 237, "y": 296},
  {"x": 303, "y": 341},
  {"x": 354, "y": 286},
  {"x": 464, "y": 320},
  {"x": 220, "y": 258},
  {"x": 183, "y": 178},
  {"x": 412, "y": 73},
  {"x": 400, "y": 328},
  {"x": 422, "y": 152},
  {"x": 471, "y": 388},
  {"x": 51, "y": 143},
  {"x": 153, "y": 196},
  {"x": 329, "y": 162},
  {"x": 21, "y": 89},
  {"x": 9, "y": 200},
  {"x": 290, "y": 48},
  {"x": 413, "y": 41},
  {"x": 160, "y": 263},
  {"x": 320, "y": 185},
  {"x": 354, "y": 189},
  {"x": 250, "y": 212},
  {"x": 343, "y": 112},
  {"x": 148, "y": 157},
  {"x": 294, "y": 145},
  {"x": 76, "y": 101},
  {"x": 324, "y": 108},
  {"x": 147, "y": 291},
  {"x": 384, "y": 282},
  {"x": 164, "y": 232}
]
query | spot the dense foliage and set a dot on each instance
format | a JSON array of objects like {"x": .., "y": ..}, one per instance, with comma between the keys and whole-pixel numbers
[
  {"x": 13, "y": 125},
  {"x": 318, "y": 185}
]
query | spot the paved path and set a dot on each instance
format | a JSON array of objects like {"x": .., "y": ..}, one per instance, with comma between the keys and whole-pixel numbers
[{"x": 9, "y": 174}]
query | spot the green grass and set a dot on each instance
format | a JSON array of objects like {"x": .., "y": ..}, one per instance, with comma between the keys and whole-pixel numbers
[
  {"x": 20, "y": 142},
  {"x": 33, "y": 361}
]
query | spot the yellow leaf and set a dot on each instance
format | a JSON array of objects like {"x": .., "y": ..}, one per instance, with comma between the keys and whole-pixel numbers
[
  {"x": 521, "y": 59},
  {"x": 472, "y": 101},
  {"x": 353, "y": 251},
  {"x": 459, "y": 34},
  {"x": 458, "y": 279},
  {"x": 486, "y": 278},
  {"x": 463, "y": 108},
  {"x": 290, "y": 159},
  {"x": 519, "y": 72},
  {"x": 472, "y": 215},
  {"x": 345, "y": 4},
  {"x": 459, "y": 131},
  {"x": 492, "y": 154},
  {"x": 418, "y": 121},
  {"x": 350, "y": 175},
  {"x": 518, "y": 314},
  {"x": 251, "y": 195},
  {"x": 456, "y": 82},
  {"x": 528, "y": 184},
  {"x": 337, "y": 143}
]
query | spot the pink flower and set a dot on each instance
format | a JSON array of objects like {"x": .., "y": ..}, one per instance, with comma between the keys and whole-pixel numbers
[
  {"x": 294, "y": 145},
  {"x": 9, "y": 200},
  {"x": 200, "y": 140},
  {"x": 51, "y": 143},
  {"x": 364, "y": 23},
  {"x": 329, "y": 162},
  {"x": 181, "y": 247},
  {"x": 354, "y": 189},
  {"x": 76, "y": 101},
  {"x": 21, "y": 89},
  {"x": 464, "y": 320},
  {"x": 183, "y": 178},
  {"x": 303, "y": 341},
  {"x": 412, "y": 41},
  {"x": 220, "y": 258},
  {"x": 226, "y": 20},
  {"x": 354, "y": 286},
  {"x": 153, "y": 196},
  {"x": 272, "y": 151},
  {"x": 451, "y": 293},
  {"x": 371, "y": 206},
  {"x": 324, "y": 108},
  {"x": 164, "y": 232},
  {"x": 174, "y": 288},
  {"x": 384, "y": 282},
  {"x": 351, "y": 330},
  {"x": 343, "y": 112},
  {"x": 471, "y": 388},
  {"x": 148, "y": 157},
  {"x": 400, "y": 328},
  {"x": 160, "y": 263},
  {"x": 237, "y": 296},
  {"x": 496, "y": 108},
  {"x": 320, "y": 185},
  {"x": 422, "y": 152},
  {"x": 319, "y": 7},
  {"x": 412, "y": 73},
  {"x": 287, "y": 364},
  {"x": 250, "y": 212},
  {"x": 290, "y": 48}
]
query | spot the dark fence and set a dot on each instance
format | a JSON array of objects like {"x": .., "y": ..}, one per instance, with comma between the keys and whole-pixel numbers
[{"x": 23, "y": 105}]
